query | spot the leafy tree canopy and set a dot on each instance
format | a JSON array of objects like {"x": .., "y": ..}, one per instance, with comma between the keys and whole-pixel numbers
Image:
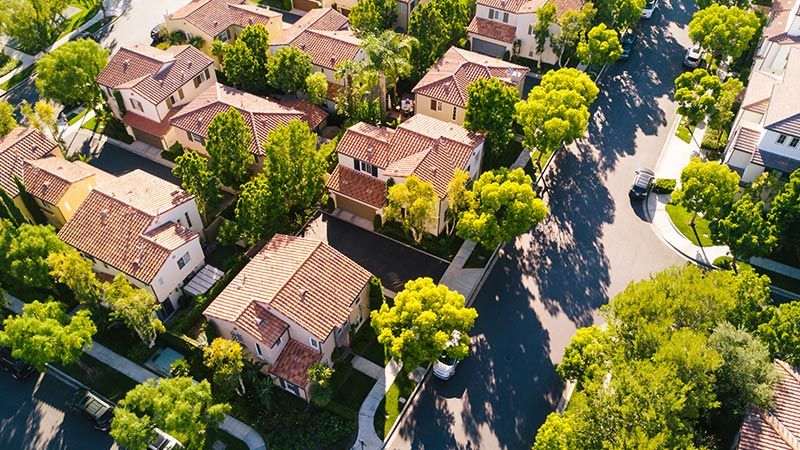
[
  {"x": 316, "y": 88},
  {"x": 228, "y": 146},
  {"x": 707, "y": 188},
  {"x": 490, "y": 109},
  {"x": 619, "y": 14},
  {"x": 601, "y": 46},
  {"x": 724, "y": 31},
  {"x": 28, "y": 252},
  {"x": 260, "y": 210},
  {"x": 224, "y": 358},
  {"x": 35, "y": 24},
  {"x": 782, "y": 332},
  {"x": 7, "y": 120},
  {"x": 288, "y": 69},
  {"x": 745, "y": 230},
  {"x": 587, "y": 355},
  {"x": 197, "y": 179},
  {"x": 436, "y": 25},
  {"x": 414, "y": 205},
  {"x": 245, "y": 61},
  {"x": 67, "y": 74},
  {"x": 134, "y": 307}
]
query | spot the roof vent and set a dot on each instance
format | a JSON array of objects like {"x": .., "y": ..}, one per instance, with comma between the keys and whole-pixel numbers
[
  {"x": 333, "y": 60},
  {"x": 216, "y": 22},
  {"x": 125, "y": 64},
  {"x": 104, "y": 216},
  {"x": 249, "y": 19},
  {"x": 303, "y": 294},
  {"x": 303, "y": 46},
  {"x": 161, "y": 82},
  {"x": 189, "y": 65},
  {"x": 433, "y": 170},
  {"x": 369, "y": 152},
  {"x": 244, "y": 279}
]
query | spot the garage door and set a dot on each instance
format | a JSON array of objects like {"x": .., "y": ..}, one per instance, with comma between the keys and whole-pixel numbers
[
  {"x": 355, "y": 207},
  {"x": 147, "y": 138},
  {"x": 306, "y": 5},
  {"x": 487, "y": 48}
]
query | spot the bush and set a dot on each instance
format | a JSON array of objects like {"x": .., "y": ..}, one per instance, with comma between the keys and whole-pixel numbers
[
  {"x": 715, "y": 139},
  {"x": 664, "y": 186},
  {"x": 377, "y": 222},
  {"x": 723, "y": 262},
  {"x": 376, "y": 298}
]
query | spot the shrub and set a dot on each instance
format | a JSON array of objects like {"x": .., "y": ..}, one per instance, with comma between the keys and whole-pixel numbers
[
  {"x": 664, "y": 186},
  {"x": 377, "y": 222},
  {"x": 376, "y": 298},
  {"x": 723, "y": 262},
  {"x": 715, "y": 139}
]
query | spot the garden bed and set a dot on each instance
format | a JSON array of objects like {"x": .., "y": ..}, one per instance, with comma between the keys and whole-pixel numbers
[
  {"x": 18, "y": 77},
  {"x": 685, "y": 131},
  {"x": 699, "y": 235},
  {"x": 478, "y": 258},
  {"x": 444, "y": 246},
  {"x": 7, "y": 64},
  {"x": 110, "y": 127},
  {"x": 365, "y": 344},
  {"x": 107, "y": 381},
  {"x": 504, "y": 159}
]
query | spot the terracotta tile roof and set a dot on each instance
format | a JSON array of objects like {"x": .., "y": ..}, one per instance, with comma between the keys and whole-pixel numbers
[
  {"x": 778, "y": 428},
  {"x": 563, "y": 6},
  {"x": 294, "y": 362},
  {"x": 152, "y": 73},
  {"x": 49, "y": 178},
  {"x": 780, "y": 18},
  {"x": 260, "y": 114},
  {"x": 324, "y": 35},
  {"x": 513, "y": 6},
  {"x": 783, "y": 113},
  {"x": 215, "y": 16},
  {"x": 357, "y": 185},
  {"x": 747, "y": 140},
  {"x": 447, "y": 81},
  {"x": 159, "y": 129},
  {"x": 118, "y": 223},
  {"x": 261, "y": 324},
  {"x": 314, "y": 115},
  {"x": 492, "y": 29},
  {"x": 17, "y": 146},
  {"x": 306, "y": 280},
  {"x": 423, "y": 146}
]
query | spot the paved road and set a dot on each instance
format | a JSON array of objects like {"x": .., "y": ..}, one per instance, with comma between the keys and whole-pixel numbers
[
  {"x": 33, "y": 416},
  {"x": 118, "y": 161},
  {"x": 552, "y": 280}
]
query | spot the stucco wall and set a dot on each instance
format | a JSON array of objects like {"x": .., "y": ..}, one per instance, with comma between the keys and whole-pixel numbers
[
  {"x": 423, "y": 106},
  {"x": 173, "y": 276},
  {"x": 769, "y": 142}
]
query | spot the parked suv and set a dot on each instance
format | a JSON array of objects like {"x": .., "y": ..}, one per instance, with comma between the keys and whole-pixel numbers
[
  {"x": 642, "y": 182},
  {"x": 649, "y": 9},
  {"x": 19, "y": 369},
  {"x": 96, "y": 409},
  {"x": 163, "y": 441},
  {"x": 445, "y": 366},
  {"x": 693, "y": 58}
]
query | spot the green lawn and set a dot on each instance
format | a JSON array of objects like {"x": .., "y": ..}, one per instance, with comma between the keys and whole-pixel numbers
[
  {"x": 700, "y": 235},
  {"x": 479, "y": 257},
  {"x": 100, "y": 377},
  {"x": 16, "y": 79},
  {"x": 350, "y": 388},
  {"x": 88, "y": 10},
  {"x": 110, "y": 127},
  {"x": 684, "y": 133},
  {"x": 76, "y": 117},
  {"x": 390, "y": 407},
  {"x": 231, "y": 443},
  {"x": 365, "y": 344},
  {"x": 7, "y": 64}
]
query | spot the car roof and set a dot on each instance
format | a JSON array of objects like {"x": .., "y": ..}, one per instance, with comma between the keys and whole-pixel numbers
[{"x": 93, "y": 405}]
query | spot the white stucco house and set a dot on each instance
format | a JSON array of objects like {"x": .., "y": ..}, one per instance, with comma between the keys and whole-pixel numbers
[{"x": 781, "y": 33}]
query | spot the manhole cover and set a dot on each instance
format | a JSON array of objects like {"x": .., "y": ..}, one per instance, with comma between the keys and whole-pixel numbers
[{"x": 508, "y": 357}]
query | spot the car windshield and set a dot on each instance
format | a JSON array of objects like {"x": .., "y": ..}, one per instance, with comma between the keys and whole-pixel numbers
[
  {"x": 650, "y": 4},
  {"x": 94, "y": 407},
  {"x": 446, "y": 360}
]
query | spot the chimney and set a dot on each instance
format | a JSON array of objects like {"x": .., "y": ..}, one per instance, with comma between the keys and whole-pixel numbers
[
  {"x": 189, "y": 65},
  {"x": 216, "y": 22}
]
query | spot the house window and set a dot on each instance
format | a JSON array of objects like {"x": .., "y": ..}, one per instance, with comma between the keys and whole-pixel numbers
[
  {"x": 793, "y": 142},
  {"x": 201, "y": 78},
  {"x": 454, "y": 113},
  {"x": 180, "y": 93},
  {"x": 258, "y": 349},
  {"x": 194, "y": 137},
  {"x": 237, "y": 337},
  {"x": 505, "y": 17},
  {"x": 313, "y": 342},
  {"x": 278, "y": 341},
  {"x": 184, "y": 260},
  {"x": 433, "y": 105},
  {"x": 136, "y": 104},
  {"x": 188, "y": 220},
  {"x": 491, "y": 14},
  {"x": 224, "y": 36},
  {"x": 365, "y": 167},
  {"x": 530, "y": 29},
  {"x": 781, "y": 139},
  {"x": 160, "y": 281},
  {"x": 170, "y": 102}
]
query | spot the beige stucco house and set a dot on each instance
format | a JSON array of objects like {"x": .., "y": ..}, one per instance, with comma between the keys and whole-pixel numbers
[
  {"x": 19, "y": 145},
  {"x": 295, "y": 302},
  {"x": 59, "y": 186},
  {"x": 442, "y": 92},
  {"x": 146, "y": 86},
  {"x": 429, "y": 148},
  {"x": 144, "y": 227}
]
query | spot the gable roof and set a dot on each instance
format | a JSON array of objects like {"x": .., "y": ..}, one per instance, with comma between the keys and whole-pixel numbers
[
  {"x": 781, "y": 16},
  {"x": 314, "y": 115},
  {"x": 215, "y": 16},
  {"x": 357, "y": 185},
  {"x": 783, "y": 112},
  {"x": 49, "y": 178},
  {"x": 447, "y": 81},
  {"x": 17, "y": 146},
  {"x": 423, "y": 146},
  {"x": 493, "y": 29},
  {"x": 294, "y": 362},
  {"x": 152, "y": 73},
  {"x": 324, "y": 34},
  {"x": 260, "y": 114},
  {"x": 118, "y": 223},
  {"x": 305, "y": 280},
  {"x": 779, "y": 427},
  {"x": 530, "y": 6}
]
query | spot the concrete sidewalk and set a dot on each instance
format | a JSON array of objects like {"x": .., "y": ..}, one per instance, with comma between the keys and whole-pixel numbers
[{"x": 367, "y": 438}]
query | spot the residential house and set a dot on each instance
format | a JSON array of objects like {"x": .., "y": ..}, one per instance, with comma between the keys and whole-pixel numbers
[
  {"x": 781, "y": 33},
  {"x": 777, "y": 428},
  {"x": 442, "y": 92},
  {"x": 428, "y": 148},
  {"x": 19, "y": 145},
  {"x": 295, "y": 302},
  {"x": 59, "y": 186},
  {"x": 766, "y": 131},
  {"x": 260, "y": 114},
  {"x": 144, "y": 227},
  {"x": 325, "y": 35},
  {"x": 504, "y": 28},
  {"x": 146, "y": 86},
  {"x": 221, "y": 20}
]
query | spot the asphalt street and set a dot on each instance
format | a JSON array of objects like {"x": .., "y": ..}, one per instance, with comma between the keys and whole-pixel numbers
[
  {"x": 552, "y": 280},
  {"x": 34, "y": 416}
]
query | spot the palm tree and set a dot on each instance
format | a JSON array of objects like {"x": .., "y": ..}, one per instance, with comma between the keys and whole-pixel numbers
[{"x": 389, "y": 54}]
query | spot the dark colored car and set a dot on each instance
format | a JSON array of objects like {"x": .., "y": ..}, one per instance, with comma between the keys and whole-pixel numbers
[
  {"x": 642, "y": 183},
  {"x": 628, "y": 42},
  {"x": 85, "y": 35},
  {"x": 155, "y": 33},
  {"x": 19, "y": 369},
  {"x": 96, "y": 409}
]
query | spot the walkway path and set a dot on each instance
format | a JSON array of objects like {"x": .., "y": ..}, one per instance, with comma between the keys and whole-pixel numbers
[
  {"x": 139, "y": 374},
  {"x": 367, "y": 367},
  {"x": 367, "y": 438}
]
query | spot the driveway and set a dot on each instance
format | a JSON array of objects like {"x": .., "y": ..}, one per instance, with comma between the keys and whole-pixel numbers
[
  {"x": 553, "y": 280},
  {"x": 33, "y": 416},
  {"x": 118, "y": 161},
  {"x": 393, "y": 263}
]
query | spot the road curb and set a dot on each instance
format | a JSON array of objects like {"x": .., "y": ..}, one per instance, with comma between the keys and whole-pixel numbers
[{"x": 75, "y": 384}]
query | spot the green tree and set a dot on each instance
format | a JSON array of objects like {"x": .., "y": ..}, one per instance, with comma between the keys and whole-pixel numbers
[
  {"x": 42, "y": 116},
  {"x": 260, "y": 210},
  {"x": 134, "y": 307},
  {"x": 600, "y": 47},
  {"x": 490, "y": 109},
  {"x": 745, "y": 230},
  {"x": 373, "y": 16},
  {"x": 228, "y": 147},
  {"x": 785, "y": 210},
  {"x": 245, "y": 62},
  {"x": 545, "y": 18},
  {"x": 7, "y": 120},
  {"x": 413, "y": 205},
  {"x": 753, "y": 300},
  {"x": 294, "y": 165},
  {"x": 457, "y": 196},
  {"x": 722, "y": 112},
  {"x": 696, "y": 93},
  {"x": 724, "y": 31},
  {"x": 130, "y": 431},
  {"x": 574, "y": 24},
  {"x": 354, "y": 100},
  {"x": 389, "y": 55},
  {"x": 416, "y": 329},
  {"x": 587, "y": 356},
  {"x": 197, "y": 179},
  {"x": 707, "y": 188},
  {"x": 436, "y": 25},
  {"x": 556, "y": 433},
  {"x": 747, "y": 374},
  {"x": 619, "y": 14},
  {"x": 35, "y": 24},
  {"x": 66, "y": 75},
  {"x": 556, "y": 112},
  {"x": 316, "y": 88},
  {"x": 44, "y": 334},
  {"x": 288, "y": 69},
  {"x": 28, "y": 252},
  {"x": 71, "y": 269},
  {"x": 782, "y": 333},
  {"x": 224, "y": 358},
  {"x": 319, "y": 379},
  {"x": 500, "y": 206},
  {"x": 178, "y": 406}
]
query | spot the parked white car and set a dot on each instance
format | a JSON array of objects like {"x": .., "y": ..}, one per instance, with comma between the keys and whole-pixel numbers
[
  {"x": 445, "y": 366},
  {"x": 649, "y": 9},
  {"x": 693, "y": 58}
]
